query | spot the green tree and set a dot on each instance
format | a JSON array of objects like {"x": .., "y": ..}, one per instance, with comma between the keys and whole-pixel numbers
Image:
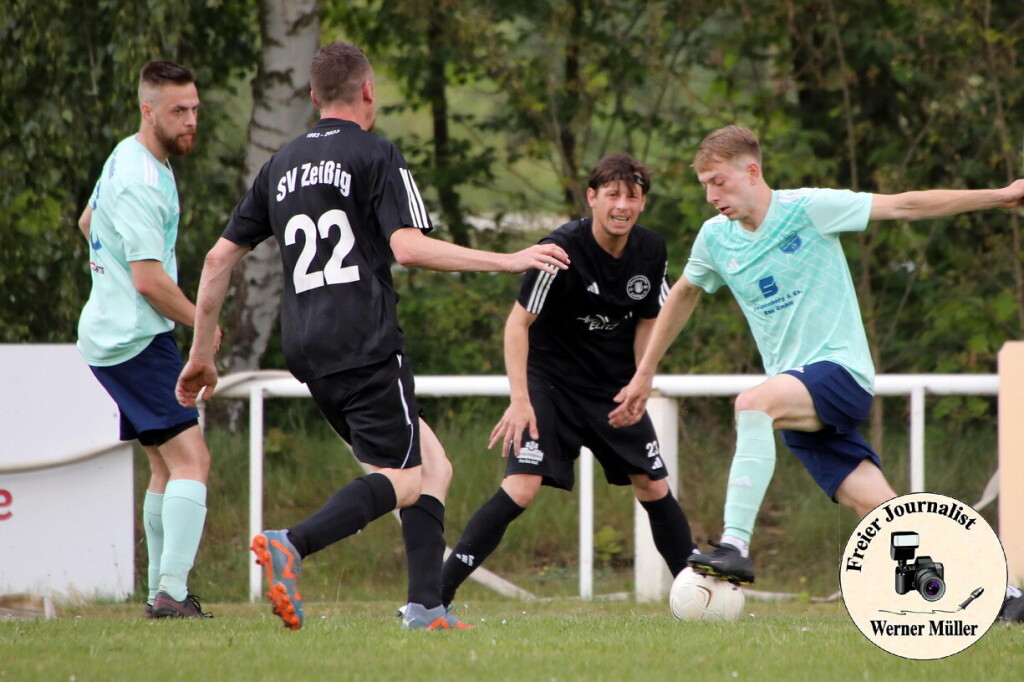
[{"x": 67, "y": 96}]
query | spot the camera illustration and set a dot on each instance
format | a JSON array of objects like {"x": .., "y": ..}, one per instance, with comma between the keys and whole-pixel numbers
[{"x": 923, "y": 575}]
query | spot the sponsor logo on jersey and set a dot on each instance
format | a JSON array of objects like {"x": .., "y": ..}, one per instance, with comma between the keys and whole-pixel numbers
[
  {"x": 602, "y": 322},
  {"x": 97, "y": 268},
  {"x": 733, "y": 266},
  {"x": 593, "y": 288},
  {"x": 768, "y": 286},
  {"x": 95, "y": 242},
  {"x": 637, "y": 287},
  {"x": 741, "y": 482},
  {"x": 791, "y": 243},
  {"x": 530, "y": 453},
  {"x": 467, "y": 559}
]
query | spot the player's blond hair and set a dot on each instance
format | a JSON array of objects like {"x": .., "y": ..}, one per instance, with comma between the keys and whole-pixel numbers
[{"x": 726, "y": 144}]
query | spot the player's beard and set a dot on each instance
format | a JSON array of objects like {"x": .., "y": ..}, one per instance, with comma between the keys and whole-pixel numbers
[{"x": 176, "y": 145}]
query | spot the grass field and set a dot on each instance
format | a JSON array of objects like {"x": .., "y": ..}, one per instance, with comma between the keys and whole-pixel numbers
[{"x": 549, "y": 640}]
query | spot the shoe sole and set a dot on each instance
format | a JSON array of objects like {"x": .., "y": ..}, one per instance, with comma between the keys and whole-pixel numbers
[
  {"x": 712, "y": 572},
  {"x": 278, "y": 593}
]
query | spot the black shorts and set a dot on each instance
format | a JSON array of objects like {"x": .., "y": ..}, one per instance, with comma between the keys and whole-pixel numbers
[
  {"x": 374, "y": 409},
  {"x": 569, "y": 419}
]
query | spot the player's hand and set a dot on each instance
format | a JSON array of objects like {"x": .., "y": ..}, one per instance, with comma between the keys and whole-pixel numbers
[
  {"x": 549, "y": 258},
  {"x": 195, "y": 376},
  {"x": 1015, "y": 195},
  {"x": 632, "y": 400},
  {"x": 509, "y": 430}
]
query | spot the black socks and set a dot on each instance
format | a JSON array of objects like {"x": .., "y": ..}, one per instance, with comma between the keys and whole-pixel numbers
[
  {"x": 347, "y": 512},
  {"x": 482, "y": 535},
  {"x": 671, "y": 531},
  {"x": 423, "y": 532}
]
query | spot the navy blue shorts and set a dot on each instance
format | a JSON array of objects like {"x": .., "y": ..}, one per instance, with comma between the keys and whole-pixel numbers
[
  {"x": 374, "y": 410},
  {"x": 831, "y": 454},
  {"x": 569, "y": 419},
  {"x": 143, "y": 389}
]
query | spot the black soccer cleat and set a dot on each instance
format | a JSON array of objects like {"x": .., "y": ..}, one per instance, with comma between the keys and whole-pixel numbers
[
  {"x": 725, "y": 562},
  {"x": 1012, "y": 610},
  {"x": 165, "y": 606}
]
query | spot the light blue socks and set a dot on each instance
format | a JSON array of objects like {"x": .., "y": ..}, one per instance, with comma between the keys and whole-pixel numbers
[
  {"x": 184, "y": 514},
  {"x": 153, "y": 525},
  {"x": 751, "y": 472}
]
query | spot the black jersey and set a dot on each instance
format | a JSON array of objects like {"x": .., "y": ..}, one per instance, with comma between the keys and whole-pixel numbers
[
  {"x": 587, "y": 315},
  {"x": 332, "y": 198}
]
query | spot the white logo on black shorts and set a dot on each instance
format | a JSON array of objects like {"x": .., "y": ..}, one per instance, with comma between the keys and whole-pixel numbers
[
  {"x": 530, "y": 453},
  {"x": 638, "y": 287}
]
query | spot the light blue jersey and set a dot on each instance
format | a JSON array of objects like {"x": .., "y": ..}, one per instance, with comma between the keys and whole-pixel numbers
[
  {"x": 791, "y": 279},
  {"x": 135, "y": 217}
]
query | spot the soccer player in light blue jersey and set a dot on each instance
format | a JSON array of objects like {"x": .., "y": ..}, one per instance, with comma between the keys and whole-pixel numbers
[
  {"x": 780, "y": 254},
  {"x": 124, "y": 332}
]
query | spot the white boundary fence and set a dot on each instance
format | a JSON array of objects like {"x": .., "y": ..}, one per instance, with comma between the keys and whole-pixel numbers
[{"x": 651, "y": 576}]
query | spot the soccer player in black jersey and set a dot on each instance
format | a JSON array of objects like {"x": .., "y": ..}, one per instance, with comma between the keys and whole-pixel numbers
[
  {"x": 571, "y": 336},
  {"x": 342, "y": 203}
]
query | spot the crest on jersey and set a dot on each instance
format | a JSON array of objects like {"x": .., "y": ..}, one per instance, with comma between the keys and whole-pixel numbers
[
  {"x": 638, "y": 287},
  {"x": 791, "y": 243}
]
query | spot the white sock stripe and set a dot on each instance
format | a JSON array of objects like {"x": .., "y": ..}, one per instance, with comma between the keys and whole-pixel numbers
[{"x": 539, "y": 293}]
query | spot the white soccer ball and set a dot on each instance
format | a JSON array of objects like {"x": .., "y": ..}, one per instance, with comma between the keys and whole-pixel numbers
[{"x": 699, "y": 597}]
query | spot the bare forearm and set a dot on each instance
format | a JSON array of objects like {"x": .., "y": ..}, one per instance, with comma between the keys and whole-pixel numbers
[
  {"x": 517, "y": 350},
  {"x": 642, "y": 337},
  {"x": 434, "y": 254},
  {"x": 213, "y": 289},
  {"x": 168, "y": 300},
  {"x": 939, "y": 203}
]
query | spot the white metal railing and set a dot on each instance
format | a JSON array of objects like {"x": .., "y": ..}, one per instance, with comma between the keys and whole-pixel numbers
[{"x": 256, "y": 386}]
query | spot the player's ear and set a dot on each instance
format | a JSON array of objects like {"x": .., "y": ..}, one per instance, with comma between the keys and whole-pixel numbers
[
  {"x": 754, "y": 170},
  {"x": 591, "y": 196}
]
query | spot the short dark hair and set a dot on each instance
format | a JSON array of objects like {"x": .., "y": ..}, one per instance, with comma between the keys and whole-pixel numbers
[
  {"x": 158, "y": 73},
  {"x": 338, "y": 72},
  {"x": 726, "y": 144},
  {"x": 619, "y": 167}
]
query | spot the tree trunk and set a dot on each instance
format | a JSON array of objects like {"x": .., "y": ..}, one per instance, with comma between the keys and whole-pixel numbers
[
  {"x": 435, "y": 90},
  {"x": 290, "y": 31}
]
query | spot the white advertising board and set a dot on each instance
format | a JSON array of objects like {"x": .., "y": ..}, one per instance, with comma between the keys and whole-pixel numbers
[{"x": 66, "y": 530}]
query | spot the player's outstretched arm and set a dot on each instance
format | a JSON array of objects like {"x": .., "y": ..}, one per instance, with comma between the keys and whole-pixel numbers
[
  {"x": 632, "y": 399},
  {"x": 519, "y": 416},
  {"x": 415, "y": 249},
  {"x": 938, "y": 203},
  {"x": 200, "y": 371}
]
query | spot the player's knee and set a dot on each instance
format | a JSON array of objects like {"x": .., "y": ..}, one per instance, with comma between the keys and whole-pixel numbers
[
  {"x": 750, "y": 400},
  {"x": 521, "y": 488},
  {"x": 437, "y": 473},
  {"x": 648, "y": 490},
  {"x": 408, "y": 484}
]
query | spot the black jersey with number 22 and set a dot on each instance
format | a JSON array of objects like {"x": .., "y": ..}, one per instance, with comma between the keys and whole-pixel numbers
[{"x": 332, "y": 198}]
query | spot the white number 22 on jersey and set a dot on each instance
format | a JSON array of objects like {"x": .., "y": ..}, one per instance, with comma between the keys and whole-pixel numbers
[{"x": 333, "y": 272}]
